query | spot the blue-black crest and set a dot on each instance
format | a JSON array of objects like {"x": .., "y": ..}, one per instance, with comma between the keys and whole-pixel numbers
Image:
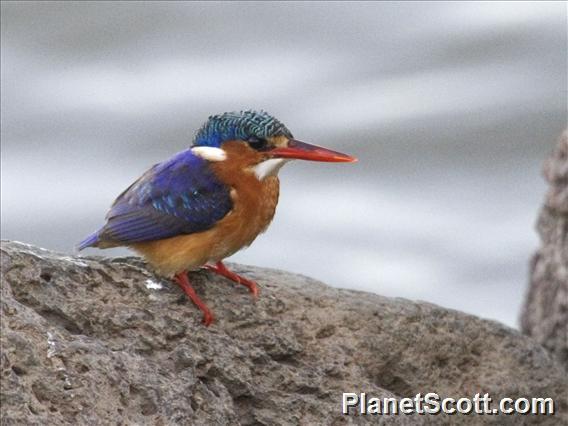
[{"x": 244, "y": 125}]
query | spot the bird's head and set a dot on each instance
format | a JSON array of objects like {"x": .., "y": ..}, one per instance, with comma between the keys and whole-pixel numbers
[{"x": 258, "y": 136}]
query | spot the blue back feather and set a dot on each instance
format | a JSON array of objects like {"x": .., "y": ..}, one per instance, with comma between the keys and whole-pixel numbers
[{"x": 178, "y": 196}]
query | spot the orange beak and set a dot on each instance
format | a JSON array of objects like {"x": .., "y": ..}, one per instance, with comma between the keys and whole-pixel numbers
[{"x": 304, "y": 151}]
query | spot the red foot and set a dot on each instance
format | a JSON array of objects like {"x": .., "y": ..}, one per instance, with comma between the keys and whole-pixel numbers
[
  {"x": 221, "y": 269},
  {"x": 182, "y": 280}
]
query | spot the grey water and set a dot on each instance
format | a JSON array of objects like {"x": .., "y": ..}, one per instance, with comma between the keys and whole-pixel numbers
[{"x": 450, "y": 107}]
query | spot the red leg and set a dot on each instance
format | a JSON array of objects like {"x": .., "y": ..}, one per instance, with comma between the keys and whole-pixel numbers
[
  {"x": 221, "y": 269},
  {"x": 182, "y": 280}
]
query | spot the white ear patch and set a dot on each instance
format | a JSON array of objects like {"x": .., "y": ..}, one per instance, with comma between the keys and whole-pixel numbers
[
  {"x": 209, "y": 153},
  {"x": 268, "y": 167}
]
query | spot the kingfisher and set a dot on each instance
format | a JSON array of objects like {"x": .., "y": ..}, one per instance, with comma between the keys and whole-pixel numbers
[{"x": 209, "y": 201}]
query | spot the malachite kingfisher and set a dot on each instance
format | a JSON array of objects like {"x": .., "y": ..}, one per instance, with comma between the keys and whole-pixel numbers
[{"x": 209, "y": 201}]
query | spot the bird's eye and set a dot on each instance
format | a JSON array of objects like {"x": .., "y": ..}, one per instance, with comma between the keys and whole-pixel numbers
[{"x": 257, "y": 144}]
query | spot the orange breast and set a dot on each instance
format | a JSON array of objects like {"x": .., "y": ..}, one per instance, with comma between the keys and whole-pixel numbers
[{"x": 254, "y": 205}]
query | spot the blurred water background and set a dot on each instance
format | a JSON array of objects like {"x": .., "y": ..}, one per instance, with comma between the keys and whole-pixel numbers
[{"x": 450, "y": 107}]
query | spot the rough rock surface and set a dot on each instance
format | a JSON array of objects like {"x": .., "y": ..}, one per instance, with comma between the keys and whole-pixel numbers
[
  {"x": 545, "y": 314},
  {"x": 105, "y": 341}
]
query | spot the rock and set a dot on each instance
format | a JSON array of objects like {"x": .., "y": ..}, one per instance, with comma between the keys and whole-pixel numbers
[
  {"x": 545, "y": 314},
  {"x": 88, "y": 340}
]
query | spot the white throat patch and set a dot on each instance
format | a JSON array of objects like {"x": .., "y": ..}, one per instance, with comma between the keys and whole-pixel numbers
[
  {"x": 209, "y": 153},
  {"x": 268, "y": 167}
]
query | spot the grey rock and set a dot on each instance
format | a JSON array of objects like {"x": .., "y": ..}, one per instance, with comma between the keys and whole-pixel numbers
[
  {"x": 545, "y": 313},
  {"x": 98, "y": 341}
]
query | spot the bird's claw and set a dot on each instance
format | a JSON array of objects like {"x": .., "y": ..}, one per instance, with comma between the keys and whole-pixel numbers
[
  {"x": 221, "y": 269},
  {"x": 208, "y": 318},
  {"x": 182, "y": 280}
]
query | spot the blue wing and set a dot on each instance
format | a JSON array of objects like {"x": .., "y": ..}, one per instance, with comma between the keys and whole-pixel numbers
[{"x": 179, "y": 196}]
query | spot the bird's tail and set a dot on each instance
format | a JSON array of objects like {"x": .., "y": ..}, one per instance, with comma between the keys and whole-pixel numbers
[{"x": 90, "y": 241}]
